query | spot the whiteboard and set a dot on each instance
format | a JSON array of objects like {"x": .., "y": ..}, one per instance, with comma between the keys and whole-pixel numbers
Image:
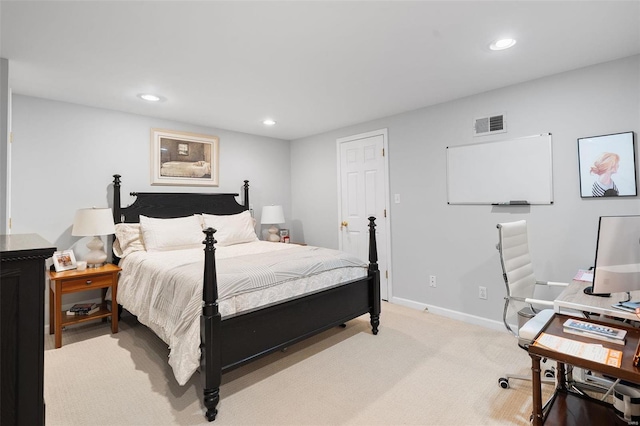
[{"x": 501, "y": 172}]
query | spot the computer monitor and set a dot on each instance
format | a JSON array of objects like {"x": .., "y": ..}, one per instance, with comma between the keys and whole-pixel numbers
[{"x": 617, "y": 265}]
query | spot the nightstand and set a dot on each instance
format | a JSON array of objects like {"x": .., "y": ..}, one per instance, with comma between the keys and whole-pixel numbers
[{"x": 74, "y": 281}]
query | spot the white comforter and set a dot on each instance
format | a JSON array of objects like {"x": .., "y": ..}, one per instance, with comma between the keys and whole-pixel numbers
[{"x": 164, "y": 289}]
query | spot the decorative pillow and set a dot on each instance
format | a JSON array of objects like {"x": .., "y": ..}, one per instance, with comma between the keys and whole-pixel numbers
[
  {"x": 171, "y": 234},
  {"x": 128, "y": 239},
  {"x": 231, "y": 229}
]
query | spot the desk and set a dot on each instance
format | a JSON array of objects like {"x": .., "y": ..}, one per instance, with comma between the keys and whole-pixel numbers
[
  {"x": 568, "y": 408},
  {"x": 573, "y": 298}
]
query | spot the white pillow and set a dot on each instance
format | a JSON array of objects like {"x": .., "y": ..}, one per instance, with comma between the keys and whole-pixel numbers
[
  {"x": 172, "y": 234},
  {"x": 128, "y": 239},
  {"x": 231, "y": 229}
]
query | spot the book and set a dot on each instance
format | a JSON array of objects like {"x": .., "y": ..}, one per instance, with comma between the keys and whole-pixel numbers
[
  {"x": 83, "y": 309},
  {"x": 84, "y": 312},
  {"x": 630, "y": 305},
  {"x": 623, "y": 308},
  {"x": 596, "y": 331},
  {"x": 594, "y": 336},
  {"x": 627, "y": 306}
]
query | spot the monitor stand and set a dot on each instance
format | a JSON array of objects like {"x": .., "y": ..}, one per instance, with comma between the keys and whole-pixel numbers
[{"x": 589, "y": 291}]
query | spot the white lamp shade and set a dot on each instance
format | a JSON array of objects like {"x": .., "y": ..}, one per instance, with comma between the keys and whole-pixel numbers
[
  {"x": 272, "y": 215},
  {"x": 93, "y": 222}
]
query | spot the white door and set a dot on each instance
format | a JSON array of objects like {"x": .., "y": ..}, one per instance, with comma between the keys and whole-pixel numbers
[{"x": 362, "y": 193}]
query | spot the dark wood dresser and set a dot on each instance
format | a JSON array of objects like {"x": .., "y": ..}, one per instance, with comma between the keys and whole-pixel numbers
[{"x": 22, "y": 288}]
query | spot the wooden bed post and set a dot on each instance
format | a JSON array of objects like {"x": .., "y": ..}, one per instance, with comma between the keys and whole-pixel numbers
[
  {"x": 210, "y": 331},
  {"x": 374, "y": 273}
]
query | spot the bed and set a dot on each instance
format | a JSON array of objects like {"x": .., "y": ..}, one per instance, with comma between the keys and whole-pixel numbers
[
  {"x": 230, "y": 336},
  {"x": 196, "y": 169}
]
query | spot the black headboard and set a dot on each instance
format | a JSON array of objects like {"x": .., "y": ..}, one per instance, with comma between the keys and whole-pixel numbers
[{"x": 175, "y": 204}]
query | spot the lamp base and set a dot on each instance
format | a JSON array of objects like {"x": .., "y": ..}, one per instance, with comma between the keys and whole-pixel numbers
[
  {"x": 96, "y": 256},
  {"x": 273, "y": 236}
]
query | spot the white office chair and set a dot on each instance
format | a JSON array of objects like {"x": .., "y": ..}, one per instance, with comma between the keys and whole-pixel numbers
[{"x": 532, "y": 314}]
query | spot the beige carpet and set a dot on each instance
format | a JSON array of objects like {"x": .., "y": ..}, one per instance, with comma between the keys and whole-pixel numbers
[{"x": 421, "y": 369}]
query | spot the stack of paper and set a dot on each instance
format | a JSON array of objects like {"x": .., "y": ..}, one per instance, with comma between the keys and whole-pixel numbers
[
  {"x": 583, "y": 275},
  {"x": 592, "y": 352}
]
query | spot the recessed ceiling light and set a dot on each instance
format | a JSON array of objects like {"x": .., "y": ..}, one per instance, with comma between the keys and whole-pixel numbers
[
  {"x": 502, "y": 44},
  {"x": 149, "y": 97},
  {"x": 268, "y": 122}
]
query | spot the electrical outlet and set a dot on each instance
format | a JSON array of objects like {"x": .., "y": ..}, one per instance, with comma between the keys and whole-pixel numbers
[
  {"x": 432, "y": 280},
  {"x": 482, "y": 292}
]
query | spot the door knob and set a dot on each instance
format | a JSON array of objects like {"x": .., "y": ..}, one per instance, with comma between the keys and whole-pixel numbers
[{"x": 344, "y": 224}]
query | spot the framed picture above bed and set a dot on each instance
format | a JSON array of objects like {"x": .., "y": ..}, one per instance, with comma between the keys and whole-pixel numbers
[{"x": 188, "y": 159}]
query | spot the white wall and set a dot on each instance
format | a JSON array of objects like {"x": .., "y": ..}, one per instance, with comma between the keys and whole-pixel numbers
[
  {"x": 457, "y": 242},
  {"x": 64, "y": 156}
]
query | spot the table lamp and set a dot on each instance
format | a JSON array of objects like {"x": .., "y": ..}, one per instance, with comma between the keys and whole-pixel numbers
[
  {"x": 94, "y": 222},
  {"x": 272, "y": 215}
]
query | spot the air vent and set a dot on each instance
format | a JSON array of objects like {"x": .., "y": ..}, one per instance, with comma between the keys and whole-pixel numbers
[{"x": 489, "y": 125}]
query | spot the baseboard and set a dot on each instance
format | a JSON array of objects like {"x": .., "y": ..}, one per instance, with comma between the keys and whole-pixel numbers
[{"x": 460, "y": 316}]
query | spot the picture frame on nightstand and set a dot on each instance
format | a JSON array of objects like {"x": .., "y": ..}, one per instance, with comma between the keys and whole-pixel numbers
[{"x": 64, "y": 260}]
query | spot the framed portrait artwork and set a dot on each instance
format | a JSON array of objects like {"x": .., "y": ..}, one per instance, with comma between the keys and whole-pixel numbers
[
  {"x": 179, "y": 158},
  {"x": 64, "y": 260},
  {"x": 607, "y": 165}
]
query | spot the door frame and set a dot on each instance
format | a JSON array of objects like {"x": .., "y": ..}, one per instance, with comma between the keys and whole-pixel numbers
[{"x": 387, "y": 220}]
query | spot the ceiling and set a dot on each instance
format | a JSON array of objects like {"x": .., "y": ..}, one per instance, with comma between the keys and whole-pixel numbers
[{"x": 312, "y": 66}]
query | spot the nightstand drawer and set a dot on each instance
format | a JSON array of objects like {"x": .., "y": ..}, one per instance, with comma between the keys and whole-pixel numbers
[{"x": 80, "y": 284}]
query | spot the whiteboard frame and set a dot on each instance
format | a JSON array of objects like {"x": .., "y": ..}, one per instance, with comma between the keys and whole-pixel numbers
[{"x": 505, "y": 202}]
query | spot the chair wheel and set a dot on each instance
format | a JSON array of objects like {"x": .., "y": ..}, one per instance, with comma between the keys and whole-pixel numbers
[
  {"x": 503, "y": 382},
  {"x": 550, "y": 374}
]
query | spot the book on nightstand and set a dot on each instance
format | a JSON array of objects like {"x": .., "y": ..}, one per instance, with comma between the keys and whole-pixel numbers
[{"x": 83, "y": 309}]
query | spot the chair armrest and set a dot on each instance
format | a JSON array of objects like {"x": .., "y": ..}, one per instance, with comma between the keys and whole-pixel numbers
[
  {"x": 552, "y": 283},
  {"x": 532, "y": 328},
  {"x": 539, "y": 302}
]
